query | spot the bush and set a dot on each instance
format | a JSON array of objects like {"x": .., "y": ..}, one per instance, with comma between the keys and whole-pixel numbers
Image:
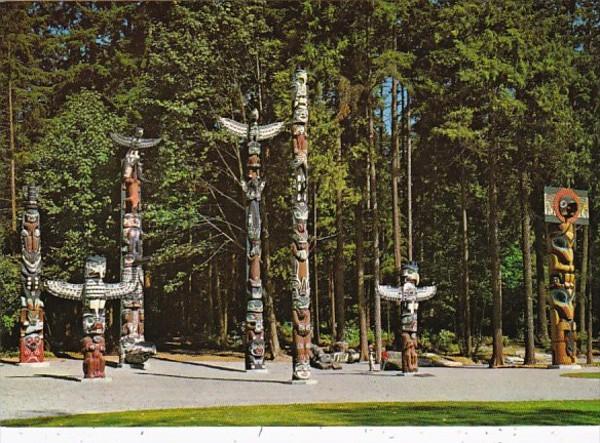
[{"x": 445, "y": 342}]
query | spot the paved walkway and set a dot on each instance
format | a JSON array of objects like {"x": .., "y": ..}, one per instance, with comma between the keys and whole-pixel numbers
[{"x": 55, "y": 390}]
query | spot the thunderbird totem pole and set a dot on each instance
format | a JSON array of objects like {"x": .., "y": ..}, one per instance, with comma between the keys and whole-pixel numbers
[
  {"x": 94, "y": 294},
  {"x": 409, "y": 297},
  {"x": 133, "y": 349},
  {"x": 31, "y": 343},
  {"x": 564, "y": 208},
  {"x": 253, "y": 187},
  {"x": 300, "y": 282}
]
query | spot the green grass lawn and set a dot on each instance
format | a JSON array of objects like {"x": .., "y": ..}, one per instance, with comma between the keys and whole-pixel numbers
[
  {"x": 572, "y": 412},
  {"x": 582, "y": 375}
]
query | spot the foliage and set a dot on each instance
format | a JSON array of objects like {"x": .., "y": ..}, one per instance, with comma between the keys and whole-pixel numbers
[{"x": 516, "y": 79}]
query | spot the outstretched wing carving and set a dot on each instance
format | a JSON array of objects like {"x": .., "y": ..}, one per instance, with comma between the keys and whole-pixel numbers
[
  {"x": 239, "y": 129},
  {"x": 63, "y": 289},
  {"x": 269, "y": 131},
  {"x": 131, "y": 142},
  {"x": 118, "y": 290},
  {"x": 389, "y": 292},
  {"x": 426, "y": 292}
]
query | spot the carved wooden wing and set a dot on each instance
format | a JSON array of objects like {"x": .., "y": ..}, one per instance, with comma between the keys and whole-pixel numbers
[
  {"x": 269, "y": 131},
  {"x": 239, "y": 129},
  {"x": 63, "y": 289},
  {"x": 389, "y": 292},
  {"x": 426, "y": 292},
  {"x": 140, "y": 143},
  {"x": 118, "y": 290}
]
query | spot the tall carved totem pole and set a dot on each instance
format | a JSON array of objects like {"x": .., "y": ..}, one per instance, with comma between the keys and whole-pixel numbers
[
  {"x": 564, "y": 208},
  {"x": 409, "y": 297},
  {"x": 253, "y": 186},
  {"x": 31, "y": 343},
  {"x": 133, "y": 349},
  {"x": 300, "y": 282}
]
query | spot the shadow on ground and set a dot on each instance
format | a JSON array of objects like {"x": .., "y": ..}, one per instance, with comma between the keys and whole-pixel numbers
[{"x": 193, "y": 377}]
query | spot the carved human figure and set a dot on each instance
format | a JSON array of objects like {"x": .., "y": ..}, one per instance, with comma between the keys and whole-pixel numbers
[
  {"x": 253, "y": 186},
  {"x": 409, "y": 296},
  {"x": 31, "y": 342},
  {"x": 133, "y": 349},
  {"x": 93, "y": 294},
  {"x": 299, "y": 282}
]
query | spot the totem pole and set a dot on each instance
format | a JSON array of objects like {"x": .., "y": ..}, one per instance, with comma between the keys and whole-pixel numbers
[
  {"x": 564, "y": 208},
  {"x": 94, "y": 294},
  {"x": 300, "y": 282},
  {"x": 133, "y": 349},
  {"x": 253, "y": 187},
  {"x": 409, "y": 297},
  {"x": 31, "y": 343}
]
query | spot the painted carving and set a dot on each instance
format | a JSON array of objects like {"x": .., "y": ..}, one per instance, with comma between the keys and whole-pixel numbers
[
  {"x": 300, "y": 282},
  {"x": 566, "y": 207},
  {"x": 93, "y": 294},
  {"x": 31, "y": 340},
  {"x": 253, "y": 186},
  {"x": 409, "y": 297},
  {"x": 133, "y": 348}
]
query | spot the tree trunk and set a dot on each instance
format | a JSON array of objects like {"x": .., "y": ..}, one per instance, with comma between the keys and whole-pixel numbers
[
  {"x": 340, "y": 305},
  {"x": 540, "y": 276},
  {"x": 360, "y": 281},
  {"x": 13, "y": 186},
  {"x": 316, "y": 316},
  {"x": 210, "y": 324},
  {"x": 331, "y": 296},
  {"x": 394, "y": 175},
  {"x": 590, "y": 334},
  {"x": 409, "y": 178},
  {"x": 527, "y": 277},
  {"x": 269, "y": 290},
  {"x": 467, "y": 340},
  {"x": 221, "y": 304},
  {"x": 494, "y": 250},
  {"x": 375, "y": 224},
  {"x": 582, "y": 292}
]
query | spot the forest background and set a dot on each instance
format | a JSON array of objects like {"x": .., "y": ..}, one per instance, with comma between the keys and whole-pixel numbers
[{"x": 482, "y": 103}]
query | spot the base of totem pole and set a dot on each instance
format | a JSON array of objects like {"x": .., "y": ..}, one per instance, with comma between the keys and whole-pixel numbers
[
  {"x": 40, "y": 364},
  {"x": 131, "y": 366},
  {"x": 96, "y": 380},
  {"x": 257, "y": 371},
  {"x": 572, "y": 367},
  {"x": 303, "y": 382}
]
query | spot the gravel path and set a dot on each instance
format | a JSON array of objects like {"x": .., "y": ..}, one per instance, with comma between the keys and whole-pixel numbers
[{"x": 55, "y": 390}]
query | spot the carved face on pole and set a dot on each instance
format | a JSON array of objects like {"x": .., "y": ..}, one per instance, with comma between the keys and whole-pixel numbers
[{"x": 95, "y": 267}]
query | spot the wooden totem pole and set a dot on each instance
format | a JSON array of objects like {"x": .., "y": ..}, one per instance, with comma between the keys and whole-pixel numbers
[
  {"x": 300, "y": 282},
  {"x": 133, "y": 349},
  {"x": 409, "y": 297},
  {"x": 31, "y": 342},
  {"x": 253, "y": 186},
  {"x": 93, "y": 294},
  {"x": 564, "y": 208}
]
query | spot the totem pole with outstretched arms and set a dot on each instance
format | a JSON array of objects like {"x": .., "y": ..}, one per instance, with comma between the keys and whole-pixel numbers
[
  {"x": 564, "y": 208},
  {"x": 253, "y": 187},
  {"x": 409, "y": 297},
  {"x": 133, "y": 348},
  {"x": 94, "y": 294},
  {"x": 31, "y": 342},
  {"x": 300, "y": 282}
]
